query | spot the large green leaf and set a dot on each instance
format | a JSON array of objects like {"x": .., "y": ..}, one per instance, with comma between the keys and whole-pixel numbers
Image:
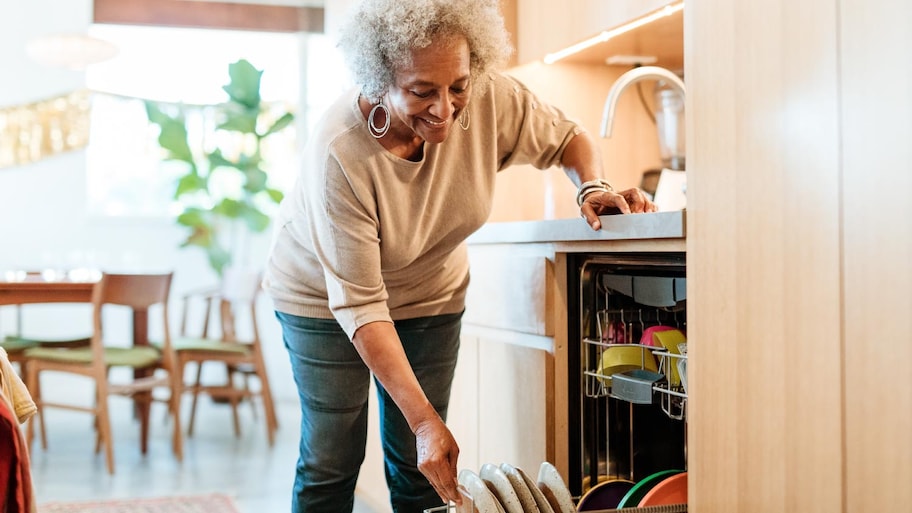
[
  {"x": 217, "y": 159},
  {"x": 245, "y": 162},
  {"x": 239, "y": 120},
  {"x": 280, "y": 123},
  {"x": 275, "y": 195},
  {"x": 256, "y": 221},
  {"x": 218, "y": 258},
  {"x": 155, "y": 113},
  {"x": 229, "y": 207},
  {"x": 256, "y": 180},
  {"x": 172, "y": 133},
  {"x": 244, "y": 87},
  {"x": 195, "y": 217},
  {"x": 173, "y": 137},
  {"x": 190, "y": 183}
]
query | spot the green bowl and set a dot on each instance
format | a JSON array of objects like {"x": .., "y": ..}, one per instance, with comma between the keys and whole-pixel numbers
[{"x": 639, "y": 490}]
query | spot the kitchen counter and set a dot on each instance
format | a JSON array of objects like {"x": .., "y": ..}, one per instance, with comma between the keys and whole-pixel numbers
[{"x": 658, "y": 231}]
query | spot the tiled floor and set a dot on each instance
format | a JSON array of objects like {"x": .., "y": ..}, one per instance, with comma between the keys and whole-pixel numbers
[{"x": 259, "y": 477}]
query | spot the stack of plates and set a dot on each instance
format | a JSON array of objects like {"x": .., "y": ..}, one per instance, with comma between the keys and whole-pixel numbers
[{"x": 507, "y": 489}]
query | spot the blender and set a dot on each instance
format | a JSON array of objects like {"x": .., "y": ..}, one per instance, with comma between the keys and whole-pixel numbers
[{"x": 669, "y": 118}]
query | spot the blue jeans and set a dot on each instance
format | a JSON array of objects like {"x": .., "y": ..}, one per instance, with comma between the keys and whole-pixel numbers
[{"x": 333, "y": 385}]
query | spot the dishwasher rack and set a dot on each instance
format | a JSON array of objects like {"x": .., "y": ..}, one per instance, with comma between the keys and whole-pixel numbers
[{"x": 672, "y": 398}]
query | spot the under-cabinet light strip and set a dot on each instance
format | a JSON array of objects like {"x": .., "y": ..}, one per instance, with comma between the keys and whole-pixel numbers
[{"x": 668, "y": 10}]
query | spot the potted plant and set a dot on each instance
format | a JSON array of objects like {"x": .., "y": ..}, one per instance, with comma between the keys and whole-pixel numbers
[{"x": 225, "y": 192}]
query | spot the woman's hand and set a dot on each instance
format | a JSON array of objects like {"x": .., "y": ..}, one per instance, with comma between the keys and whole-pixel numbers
[
  {"x": 437, "y": 455},
  {"x": 380, "y": 348},
  {"x": 610, "y": 203}
]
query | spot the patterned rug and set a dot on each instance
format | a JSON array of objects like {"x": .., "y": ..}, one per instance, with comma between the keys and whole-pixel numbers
[{"x": 212, "y": 503}]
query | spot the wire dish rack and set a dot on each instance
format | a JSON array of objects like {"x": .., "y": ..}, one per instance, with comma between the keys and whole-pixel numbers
[
  {"x": 672, "y": 397},
  {"x": 634, "y": 384}
]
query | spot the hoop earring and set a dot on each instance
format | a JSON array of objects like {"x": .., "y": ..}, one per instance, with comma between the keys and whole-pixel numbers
[
  {"x": 378, "y": 132},
  {"x": 464, "y": 120}
]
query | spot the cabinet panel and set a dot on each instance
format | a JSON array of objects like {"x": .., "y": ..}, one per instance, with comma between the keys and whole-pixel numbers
[
  {"x": 512, "y": 417},
  {"x": 462, "y": 418},
  {"x": 763, "y": 254},
  {"x": 510, "y": 292},
  {"x": 878, "y": 249}
]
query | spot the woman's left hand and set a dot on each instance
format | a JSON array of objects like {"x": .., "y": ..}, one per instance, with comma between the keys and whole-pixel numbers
[{"x": 630, "y": 201}]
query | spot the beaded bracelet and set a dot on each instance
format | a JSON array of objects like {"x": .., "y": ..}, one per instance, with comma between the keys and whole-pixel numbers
[{"x": 597, "y": 185}]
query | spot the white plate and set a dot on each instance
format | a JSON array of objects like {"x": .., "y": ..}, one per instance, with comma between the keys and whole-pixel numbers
[
  {"x": 522, "y": 490},
  {"x": 555, "y": 489},
  {"x": 482, "y": 498},
  {"x": 543, "y": 505},
  {"x": 500, "y": 485}
]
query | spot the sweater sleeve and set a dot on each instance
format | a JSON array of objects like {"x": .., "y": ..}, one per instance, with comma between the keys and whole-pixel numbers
[
  {"x": 346, "y": 243},
  {"x": 530, "y": 131}
]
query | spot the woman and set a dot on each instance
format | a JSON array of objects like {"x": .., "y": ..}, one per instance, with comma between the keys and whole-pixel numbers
[{"x": 369, "y": 268}]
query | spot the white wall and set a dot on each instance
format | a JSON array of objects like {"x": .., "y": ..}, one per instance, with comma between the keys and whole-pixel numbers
[{"x": 43, "y": 218}]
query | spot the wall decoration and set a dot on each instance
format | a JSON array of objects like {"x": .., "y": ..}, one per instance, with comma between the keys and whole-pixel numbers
[{"x": 47, "y": 127}]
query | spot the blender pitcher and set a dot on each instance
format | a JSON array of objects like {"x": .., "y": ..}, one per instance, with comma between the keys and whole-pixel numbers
[{"x": 669, "y": 117}]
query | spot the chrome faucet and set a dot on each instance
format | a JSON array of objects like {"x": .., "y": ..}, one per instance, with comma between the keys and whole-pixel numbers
[{"x": 631, "y": 77}]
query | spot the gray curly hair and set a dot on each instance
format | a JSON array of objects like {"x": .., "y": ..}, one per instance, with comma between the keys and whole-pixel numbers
[{"x": 379, "y": 36}]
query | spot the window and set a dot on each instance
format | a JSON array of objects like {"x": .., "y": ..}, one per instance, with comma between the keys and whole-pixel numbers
[{"x": 125, "y": 176}]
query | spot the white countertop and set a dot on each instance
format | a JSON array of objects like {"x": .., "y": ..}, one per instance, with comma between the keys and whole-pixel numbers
[{"x": 657, "y": 225}]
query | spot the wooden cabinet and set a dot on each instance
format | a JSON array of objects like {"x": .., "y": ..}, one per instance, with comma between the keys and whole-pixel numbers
[
  {"x": 798, "y": 255},
  {"x": 545, "y": 27}
]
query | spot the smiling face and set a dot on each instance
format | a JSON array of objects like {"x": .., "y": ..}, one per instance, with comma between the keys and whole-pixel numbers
[{"x": 430, "y": 93}]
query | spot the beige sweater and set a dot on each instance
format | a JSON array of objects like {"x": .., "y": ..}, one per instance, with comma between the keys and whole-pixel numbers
[{"x": 366, "y": 236}]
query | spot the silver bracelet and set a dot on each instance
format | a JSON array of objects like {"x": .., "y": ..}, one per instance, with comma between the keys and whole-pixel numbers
[{"x": 599, "y": 184}]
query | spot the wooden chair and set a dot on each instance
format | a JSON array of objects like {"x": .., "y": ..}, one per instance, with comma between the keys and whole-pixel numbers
[
  {"x": 16, "y": 345},
  {"x": 153, "y": 367},
  {"x": 241, "y": 357}
]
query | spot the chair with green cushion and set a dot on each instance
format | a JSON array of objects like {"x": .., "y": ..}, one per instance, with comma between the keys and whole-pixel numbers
[
  {"x": 15, "y": 346},
  {"x": 241, "y": 356},
  {"x": 153, "y": 367}
]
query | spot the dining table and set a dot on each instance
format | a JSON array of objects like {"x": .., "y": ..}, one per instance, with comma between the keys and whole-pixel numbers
[{"x": 34, "y": 287}]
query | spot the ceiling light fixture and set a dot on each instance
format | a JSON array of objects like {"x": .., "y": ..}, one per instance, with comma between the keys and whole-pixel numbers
[
  {"x": 72, "y": 51},
  {"x": 668, "y": 10}
]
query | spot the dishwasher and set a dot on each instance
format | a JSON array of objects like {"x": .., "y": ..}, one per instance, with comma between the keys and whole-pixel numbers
[{"x": 628, "y": 417}]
